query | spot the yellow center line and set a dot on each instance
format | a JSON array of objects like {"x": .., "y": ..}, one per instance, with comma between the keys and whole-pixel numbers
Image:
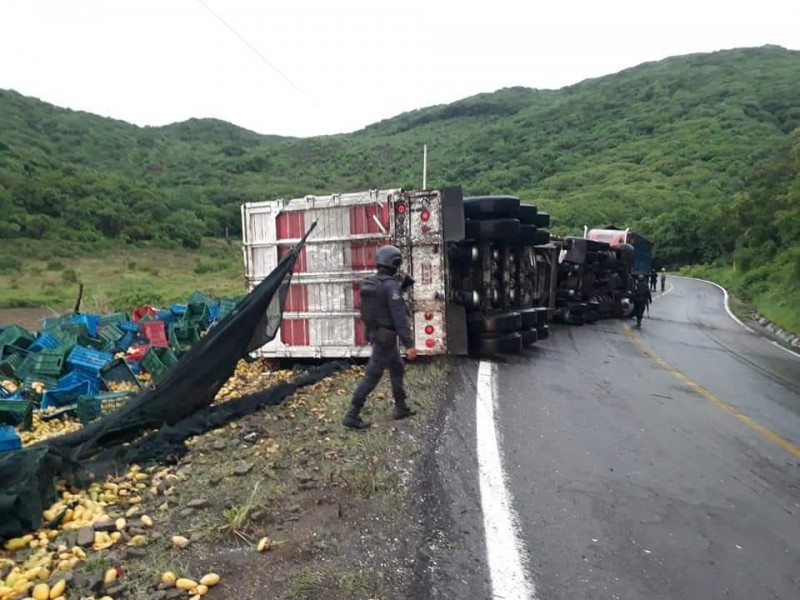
[{"x": 696, "y": 387}]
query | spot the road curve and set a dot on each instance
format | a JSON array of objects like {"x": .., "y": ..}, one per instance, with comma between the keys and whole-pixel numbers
[
  {"x": 661, "y": 462},
  {"x": 653, "y": 463}
]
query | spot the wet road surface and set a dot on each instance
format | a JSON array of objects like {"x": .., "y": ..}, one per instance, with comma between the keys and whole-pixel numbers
[
  {"x": 656, "y": 463},
  {"x": 653, "y": 463}
]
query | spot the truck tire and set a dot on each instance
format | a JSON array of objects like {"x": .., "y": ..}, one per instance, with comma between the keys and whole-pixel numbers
[
  {"x": 495, "y": 323},
  {"x": 542, "y": 220},
  {"x": 491, "y": 229},
  {"x": 491, "y": 207},
  {"x": 529, "y": 336},
  {"x": 530, "y": 317},
  {"x": 527, "y": 214},
  {"x": 543, "y": 332},
  {"x": 486, "y": 346},
  {"x": 542, "y": 315}
]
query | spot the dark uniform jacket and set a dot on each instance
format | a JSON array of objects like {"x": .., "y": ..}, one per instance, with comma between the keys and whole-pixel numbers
[{"x": 392, "y": 312}]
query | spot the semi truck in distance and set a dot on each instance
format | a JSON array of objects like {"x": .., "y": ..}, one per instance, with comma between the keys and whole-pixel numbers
[{"x": 489, "y": 277}]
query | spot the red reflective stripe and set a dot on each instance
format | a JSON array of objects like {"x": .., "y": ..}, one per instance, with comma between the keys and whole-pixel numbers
[
  {"x": 296, "y": 298},
  {"x": 294, "y": 332},
  {"x": 362, "y": 221},
  {"x": 292, "y": 226}
]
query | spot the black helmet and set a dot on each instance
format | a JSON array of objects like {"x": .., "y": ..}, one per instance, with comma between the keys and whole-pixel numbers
[{"x": 389, "y": 258}]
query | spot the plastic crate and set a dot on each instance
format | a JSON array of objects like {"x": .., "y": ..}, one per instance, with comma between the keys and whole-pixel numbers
[
  {"x": 88, "y": 360},
  {"x": 11, "y": 350},
  {"x": 158, "y": 361},
  {"x": 9, "y": 439},
  {"x": 66, "y": 396},
  {"x": 125, "y": 341},
  {"x": 201, "y": 298},
  {"x": 111, "y": 333},
  {"x": 112, "y": 319},
  {"x": 128, "y": 326},
  {"x": 73, "y": 378},
  {"x": 155, "y": 333},
  {"x": 89, "y": 320},
  {"x": 14, "y": 335},
  {"x": 136, "y": 352},
  {"x": 43, "y": 342},
  {"x": 142, "y": 313},
  {"x": 178, "y": 309},
  {"x": 44, "y": 363},
  {"x": 4, "y": 393},
  {"x": 118, "y": 371},
  {"x": 90, "y": 408},
  {"x": 17, "y": 411},
  {"x": 196, "y": 313},
  {"x": 226, "y": 306},
  {"x": 165, "y": 315},
  {"x": 182, "y": 336},
  {"x": 9, "y": 365}
]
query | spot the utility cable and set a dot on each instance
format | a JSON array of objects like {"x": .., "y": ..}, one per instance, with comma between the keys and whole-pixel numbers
[{"x": 251, "y": 46}]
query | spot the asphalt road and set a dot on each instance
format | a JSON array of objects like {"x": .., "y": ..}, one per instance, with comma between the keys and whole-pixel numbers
[
  {"x": 642, "y": 464},
  {"x": 656, "y": 463}
]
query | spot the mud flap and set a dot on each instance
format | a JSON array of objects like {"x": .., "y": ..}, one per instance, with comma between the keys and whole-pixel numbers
[
  {"x": 457, "y": 339},
  {"x": 453, "y": 214}
]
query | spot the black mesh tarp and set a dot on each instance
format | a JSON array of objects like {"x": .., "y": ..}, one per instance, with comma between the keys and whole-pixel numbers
[{"x": 178, "y": 405}]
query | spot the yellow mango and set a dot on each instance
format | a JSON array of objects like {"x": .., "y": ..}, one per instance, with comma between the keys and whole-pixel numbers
[
  {"x": 210, "y": 580},
  {"x": 41, "y": 592},
  {"x": 58, "y": 589},
  {"x": 185, "y": 584}
]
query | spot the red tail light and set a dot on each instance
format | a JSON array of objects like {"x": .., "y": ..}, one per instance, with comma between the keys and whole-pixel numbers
[
  {"x": 428, "y": 316},
  {"x": 401, "y": 209},
  {"x": 429, "y": 329},
  {"x": 430, "y": 343},
  {"x": 425, "y": 215}
]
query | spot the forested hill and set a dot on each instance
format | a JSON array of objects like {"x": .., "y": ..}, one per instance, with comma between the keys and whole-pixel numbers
[{"x": 665, "y": 147}]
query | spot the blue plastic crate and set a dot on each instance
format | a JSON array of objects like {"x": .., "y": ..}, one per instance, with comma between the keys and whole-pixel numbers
[
  {"x": 88, "y": 360},
  {"x": 64, "y": 396},
  {"x": 125, "y": 341},
  {"x": 89, "y": 320},
  {"x": 165, "y": 315},
  {"x": 44, "y": 341},
  {"x": 9, "y": 439},
  {"x": 4, "y": 393},
  {"x": 76, "y": 377},
  {"x": 128, "y": 326},
  {"x": 178, "y": 309}
]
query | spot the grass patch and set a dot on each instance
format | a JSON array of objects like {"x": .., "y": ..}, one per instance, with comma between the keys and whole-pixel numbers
[
  {"x": 326, "y": 583},
  {"x": 47, "y": 274}
]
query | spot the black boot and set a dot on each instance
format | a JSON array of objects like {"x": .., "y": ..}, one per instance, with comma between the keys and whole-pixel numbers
[
  {"x": 402, "y": 411},
  {"x": 353, "y": 420}
]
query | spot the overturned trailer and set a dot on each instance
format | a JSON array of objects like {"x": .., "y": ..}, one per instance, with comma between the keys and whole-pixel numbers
[{"x": 484, "y": 269}]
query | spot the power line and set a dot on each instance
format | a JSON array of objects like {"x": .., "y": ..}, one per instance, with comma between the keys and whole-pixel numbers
[{"x": 249, "y": 45}]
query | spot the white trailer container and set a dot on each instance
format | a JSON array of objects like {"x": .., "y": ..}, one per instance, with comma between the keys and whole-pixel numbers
[{"x": 321, "y": 312}]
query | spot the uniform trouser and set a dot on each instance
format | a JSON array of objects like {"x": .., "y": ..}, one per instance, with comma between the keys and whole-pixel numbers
[
  {"x": 383, "y": 357},
  {"x": 638, "y": 309}
]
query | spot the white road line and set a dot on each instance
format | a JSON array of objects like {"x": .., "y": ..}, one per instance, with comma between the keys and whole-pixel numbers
[
  {"x": 727, "y": 300},
  {"x": 503, "y": 546},
  {"x": 735, "y": 318}
]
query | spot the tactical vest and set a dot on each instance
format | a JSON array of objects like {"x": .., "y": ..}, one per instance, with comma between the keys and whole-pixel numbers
[{"x": 374, "y": 302}]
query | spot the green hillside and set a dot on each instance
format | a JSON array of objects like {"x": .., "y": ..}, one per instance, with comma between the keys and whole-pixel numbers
[{"x": 696, "y": 152}]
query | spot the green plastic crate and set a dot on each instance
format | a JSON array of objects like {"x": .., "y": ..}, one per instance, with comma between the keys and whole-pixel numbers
[
  {"x": 9, "y": 366},
  {"x": 15, "y": 335},
  {"x": 17, "y": 413},
  {"x": 118, "y": 371},
  {"x": 43, "y": 363},
  {"x": 113, "y": 319},
  {"x": 158, "y": 361},
  {"x": 182, "y": 336},
  {"x": 90, "y": 408},
  {"x": 196, "y": 313},
  {"x": 226, "y": 306}
]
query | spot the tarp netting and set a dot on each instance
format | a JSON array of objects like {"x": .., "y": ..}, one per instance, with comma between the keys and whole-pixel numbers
[{"x": 153, "y": 425}]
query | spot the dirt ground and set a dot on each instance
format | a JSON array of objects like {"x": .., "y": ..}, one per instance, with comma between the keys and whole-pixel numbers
[
  {"x": 29, "y": 318},
  {"x": 338, "y": 506}
]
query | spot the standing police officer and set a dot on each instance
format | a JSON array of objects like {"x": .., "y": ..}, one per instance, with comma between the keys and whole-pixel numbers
[
  {"x": 641, "y": 298},
  {"x": 389, "y": 324}
]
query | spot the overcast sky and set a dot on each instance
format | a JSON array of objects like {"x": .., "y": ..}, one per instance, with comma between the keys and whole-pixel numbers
[{"x": 314, "y": 67}]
